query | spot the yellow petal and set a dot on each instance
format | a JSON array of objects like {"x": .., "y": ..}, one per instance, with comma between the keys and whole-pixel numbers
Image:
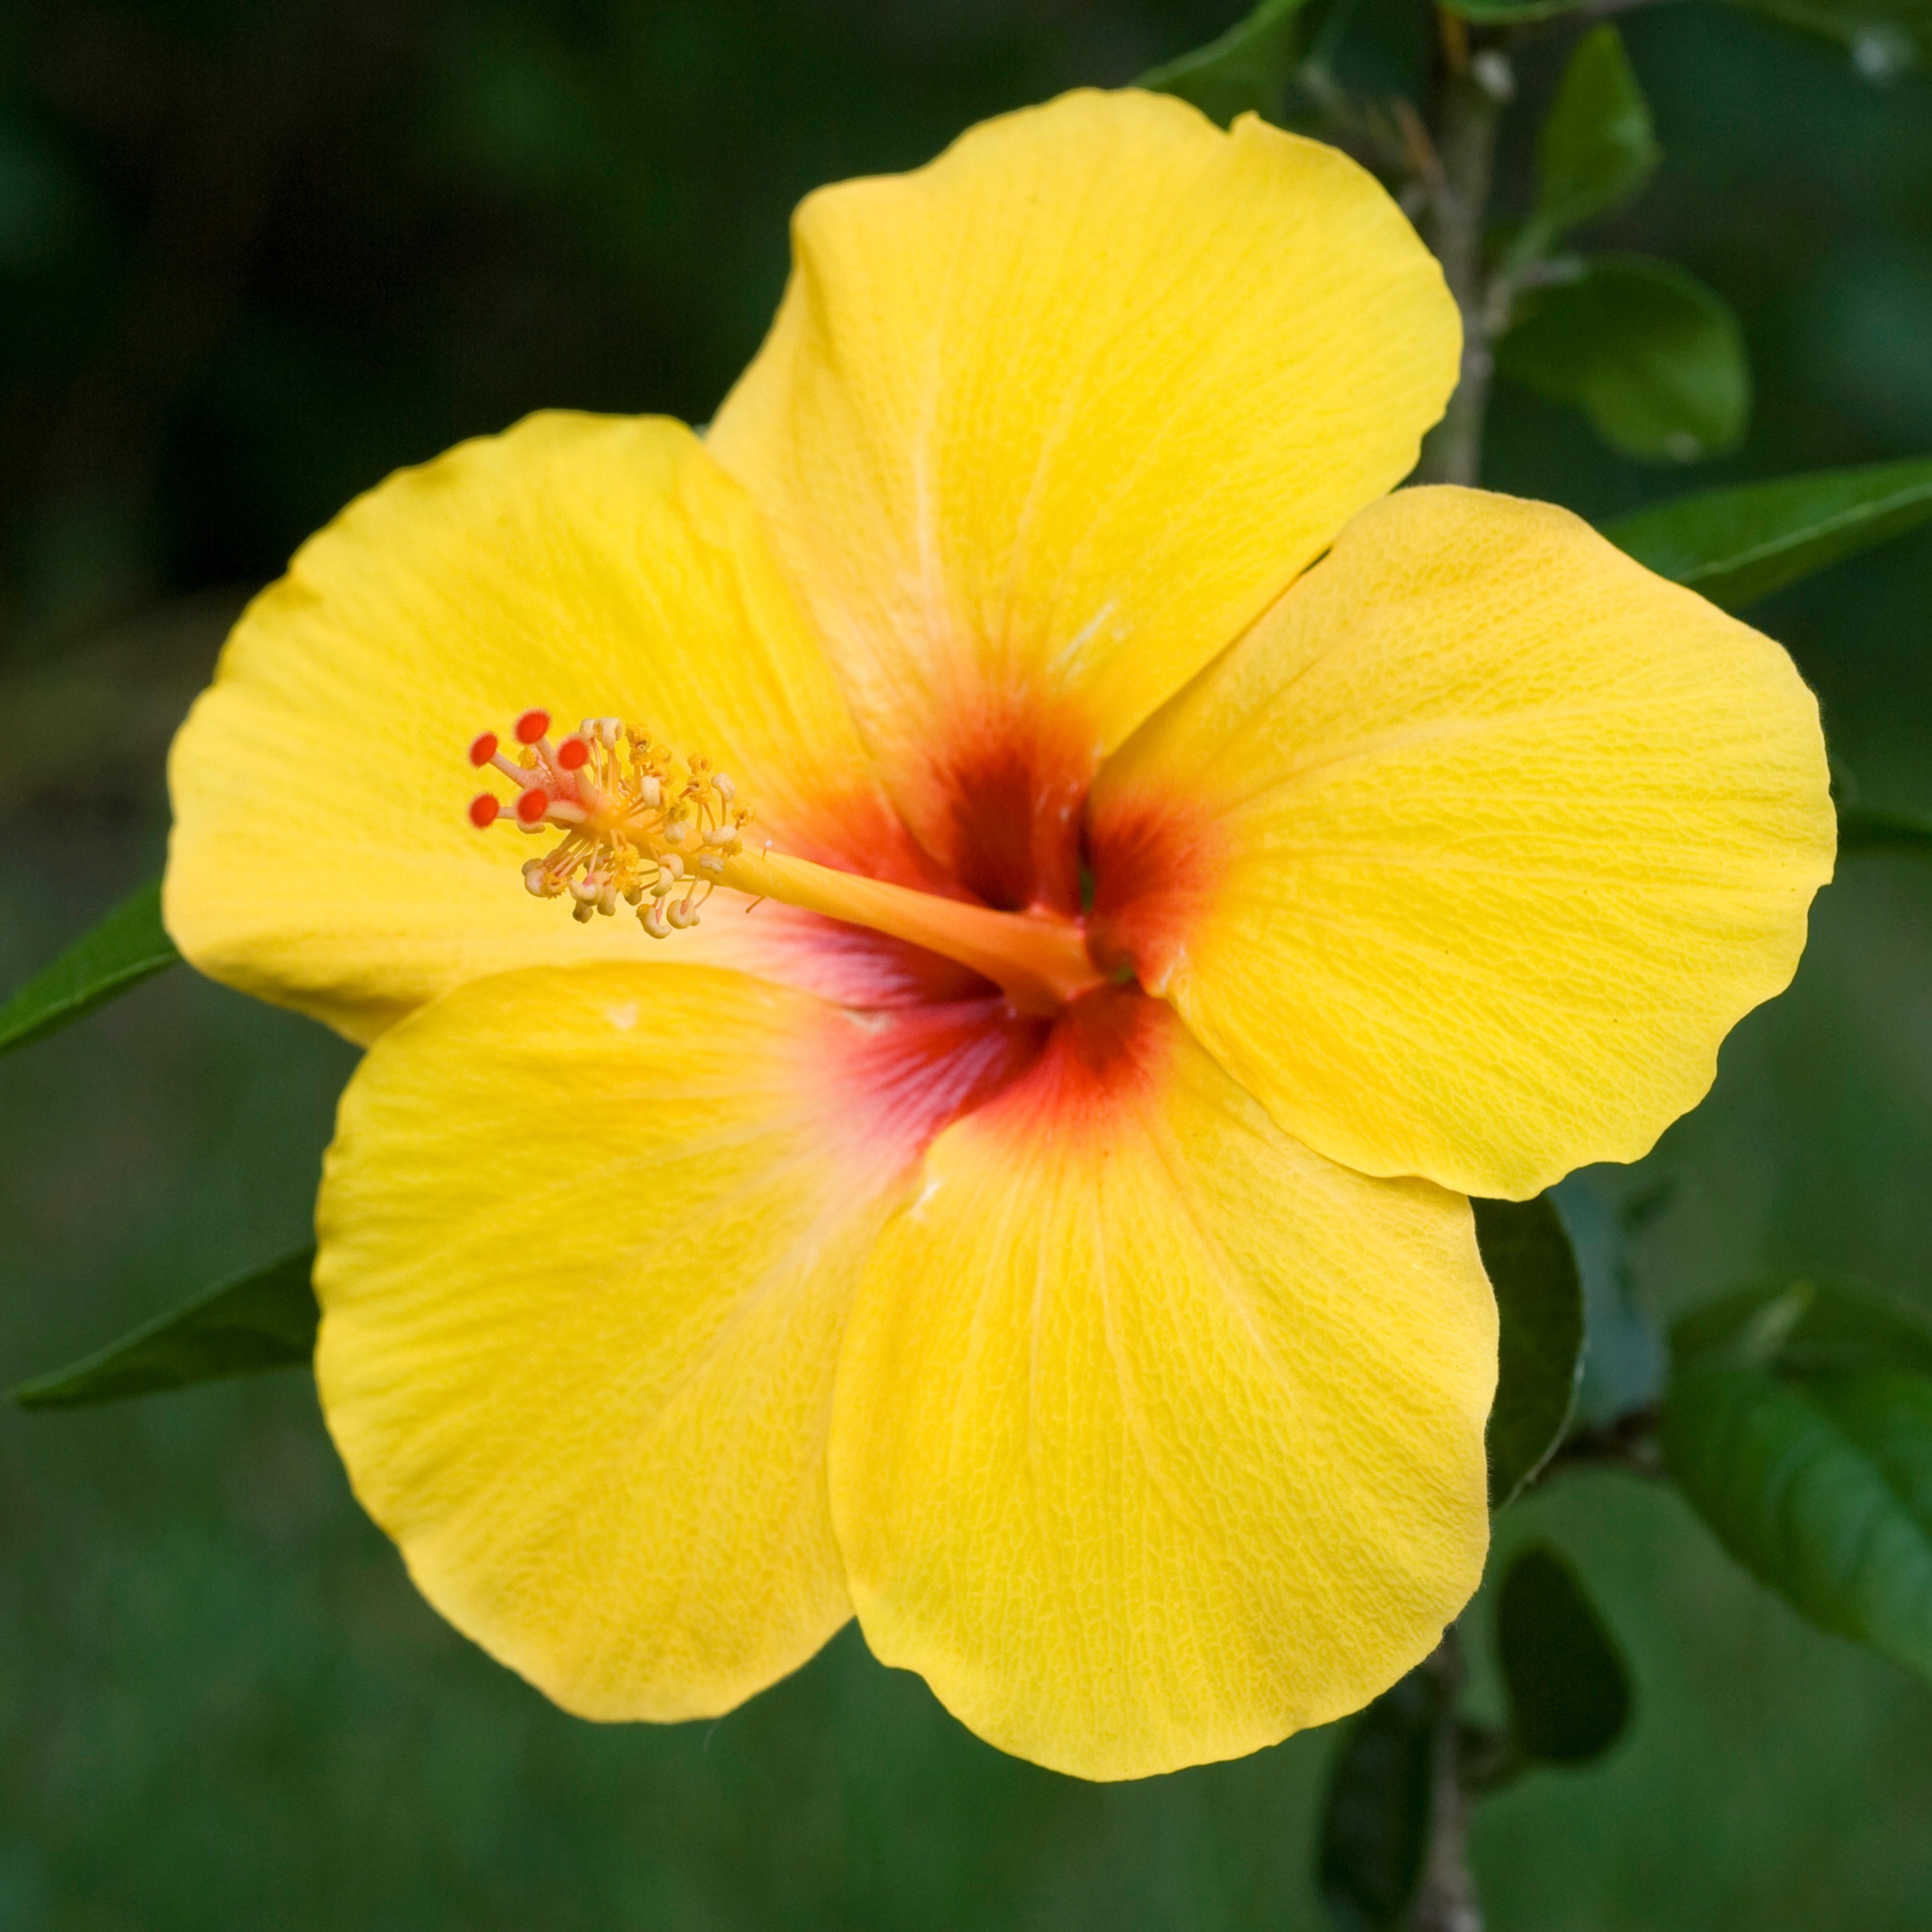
[
  {"x": 588, "y": 1239},
  {"x": 591, "y": 566},
  {"x": 1156, "y": 1436},
  {"x": 1468, "y": 857},
  {"x": 1043, "y": 426}
]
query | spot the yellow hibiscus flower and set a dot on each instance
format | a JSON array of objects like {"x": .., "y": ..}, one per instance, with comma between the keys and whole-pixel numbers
[{"x": 1187, "y": 872}]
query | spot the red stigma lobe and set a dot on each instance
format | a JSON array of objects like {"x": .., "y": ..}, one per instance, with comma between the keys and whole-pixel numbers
[{"x": 638, "y": 825}]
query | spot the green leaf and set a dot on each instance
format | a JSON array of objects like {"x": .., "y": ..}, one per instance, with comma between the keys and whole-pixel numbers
[
  {"x": 1375, "y": 1823},
  {"x": 1652, "y": 357},
  {"x": 1246, "y": 70},
  {"x": 1597, "y": 147},
  {"x": 1872, "y": 828},
  {"x": 1884, "y": 36},
  {"x": 1821, "y": 1485},
  {"x": 127, "y": 946},
  {"x": 1540, "y": 1353},
  {"x": 1800, "y": 1426},
  {"x": 1569, "y": 1693},
  {"x": 1624, "y": 1352},
  {"x": 265, "y": 1319},
  {"x": 1510, "y": 13},
  {"x": 1806, "y": 1327},
  {"x": 1735, "y": 546}
]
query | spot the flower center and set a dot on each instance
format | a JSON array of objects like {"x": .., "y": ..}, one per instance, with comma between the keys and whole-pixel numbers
[{"x": 661, "y": 831}]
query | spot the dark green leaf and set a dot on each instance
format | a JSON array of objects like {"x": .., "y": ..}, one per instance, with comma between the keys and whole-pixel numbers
[
  {"x": 1597, "y": 147},
  {"x": 1821, "y": 1485},
  {"x": 265, "y": 1319},
  {"x": 1652, "y": 357},
  {"x": 1624, "y": 1354},
  {"x": 1872, "y": 828},
  {"x": 1885, "y": 36},
  {"x": 1540, "y": 1351},
  {"x": 1734, "y": 546},
  {"x": 1806, "y": 1326},
  {"x": 1374, "y": 1824},
  {"x": 127, "y": 946},
  {"x": 1246, "y": 70},
  {"x": 1569, "y": 1693},
  {"x": 1510, "y": 13}
]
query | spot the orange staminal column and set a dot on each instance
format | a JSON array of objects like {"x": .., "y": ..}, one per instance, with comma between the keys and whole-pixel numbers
[{"x": 1039, "y": 960}]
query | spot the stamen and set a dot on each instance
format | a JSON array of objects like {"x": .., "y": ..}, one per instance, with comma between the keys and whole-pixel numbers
[
  {"x": 662, "y": 832},
  {"x": 623, "y": 803}
]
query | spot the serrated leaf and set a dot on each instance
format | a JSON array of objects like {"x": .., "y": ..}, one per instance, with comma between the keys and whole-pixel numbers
[
  {"x": 1806, "y": 1326},
  {"x": 1597, "y": 147},
  {"x": 265, "y": 1319},
  {"x": 1884, "y": 38},
  {"x": 1569, "y": 1693},
  {"x": 1734, "y": 546},
  {"x": 1539, "y": 1345},
  {"x": 1245, "y": 71},
  {"x": 1652, "y": 357},
  {"x": 127, "y": 946},
  {"x": 1375, "y": 1820},
  {"x": 1820, "y": 1486}
]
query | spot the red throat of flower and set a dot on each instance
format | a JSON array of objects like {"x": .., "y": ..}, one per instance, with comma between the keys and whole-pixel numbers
[{"x": 661, "y": 831}]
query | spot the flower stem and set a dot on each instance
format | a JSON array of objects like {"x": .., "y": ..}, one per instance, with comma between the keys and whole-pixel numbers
[
  {"x": 1469, "y": 106},
  {"x": 1628, "y": 1443},
  {"x": 1446, "y": 1901}
]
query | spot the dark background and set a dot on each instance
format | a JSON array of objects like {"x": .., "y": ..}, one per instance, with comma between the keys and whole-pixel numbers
[{"x": 254, "y": 256}]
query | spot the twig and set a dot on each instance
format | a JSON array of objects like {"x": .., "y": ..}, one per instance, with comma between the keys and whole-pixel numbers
[
  {"x": 1628, "y": 1443},
  {"x": 1470, "y": 95},
  {"x": 1359, "y": 127},
  {"x": 1446, "y": 1900}
]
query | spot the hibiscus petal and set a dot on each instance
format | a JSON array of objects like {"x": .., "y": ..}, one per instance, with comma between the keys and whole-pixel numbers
[
  {"x": 1043, "y": 426},
  {"x": 588, "y": 1239},
  {"x": 1157, "y": 1436},
  {"x": 322, "y": 855},
  {"x": 1468, "y": 857}
]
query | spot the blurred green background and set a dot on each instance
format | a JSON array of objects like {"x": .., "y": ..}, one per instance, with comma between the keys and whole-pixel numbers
[{"x": 254, "y": 256}]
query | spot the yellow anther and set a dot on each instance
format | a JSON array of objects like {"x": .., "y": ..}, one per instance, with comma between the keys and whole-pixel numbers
[{"x": 622, "y": 804}]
